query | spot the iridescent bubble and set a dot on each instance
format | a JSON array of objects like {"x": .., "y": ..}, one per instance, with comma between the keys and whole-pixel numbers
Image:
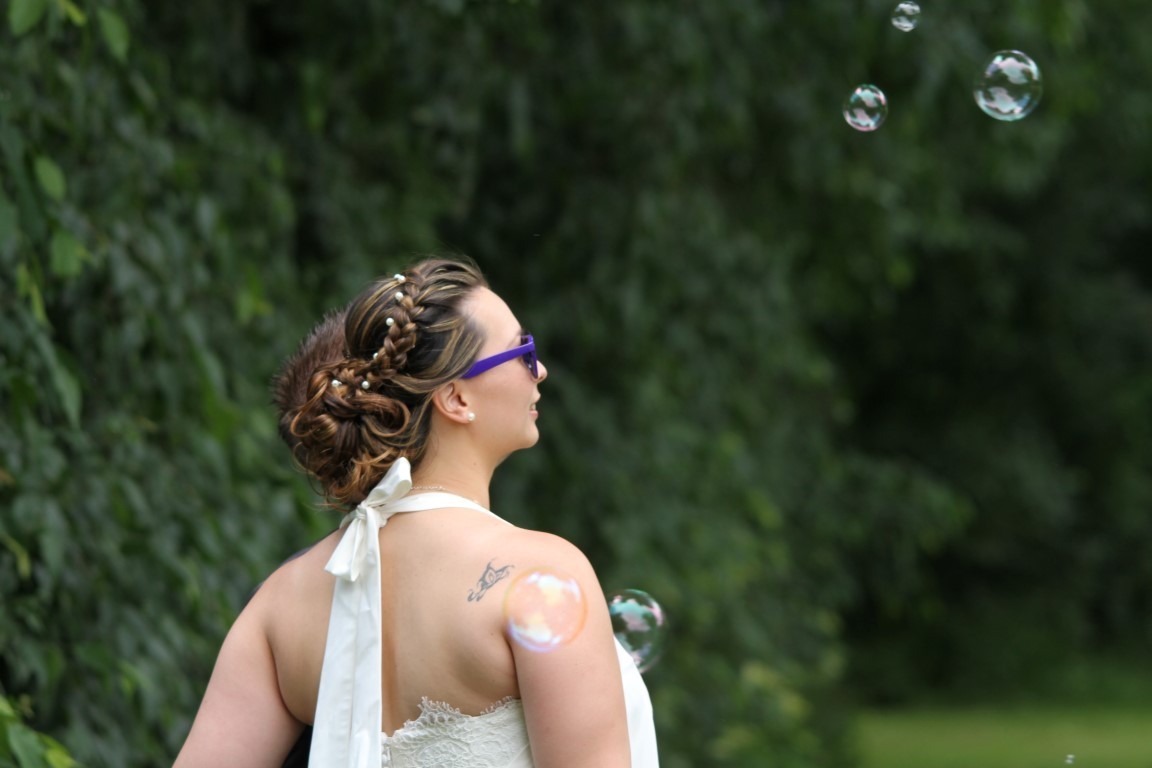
[
  {"x": 1070, "y": 759},
  {"x": 906, "y": 16},
  {"x": 1009, "y": 86},
  {"x": 544, "y": 609},
  {"x": 866, "y": 108},
  {"x": 640, "y": 625}
]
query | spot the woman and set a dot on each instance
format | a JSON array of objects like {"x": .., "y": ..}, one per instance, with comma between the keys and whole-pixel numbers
[{"x": 389, "y": 634}]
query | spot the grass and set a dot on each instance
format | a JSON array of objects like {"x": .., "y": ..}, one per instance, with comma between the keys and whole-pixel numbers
[{"x": 1098, "y": 736}]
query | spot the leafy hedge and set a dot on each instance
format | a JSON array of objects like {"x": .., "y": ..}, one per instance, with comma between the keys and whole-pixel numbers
[
  {"x": 806, "y": 384},
  {"x": 139, "y": 500}
]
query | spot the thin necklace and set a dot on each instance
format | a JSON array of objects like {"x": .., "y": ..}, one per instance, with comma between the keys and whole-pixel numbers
[{"x": 444, "y": 490}]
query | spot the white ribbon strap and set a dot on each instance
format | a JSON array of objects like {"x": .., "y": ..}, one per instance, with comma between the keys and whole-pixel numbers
[{"x": 346, "y": 732}]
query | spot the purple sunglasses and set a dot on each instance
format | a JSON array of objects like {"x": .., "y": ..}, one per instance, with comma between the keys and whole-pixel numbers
[{"x": 526, "y": 351}]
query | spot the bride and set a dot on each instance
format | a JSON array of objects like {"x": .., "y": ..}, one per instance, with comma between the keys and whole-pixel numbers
[{"x": 389, "y": 636}]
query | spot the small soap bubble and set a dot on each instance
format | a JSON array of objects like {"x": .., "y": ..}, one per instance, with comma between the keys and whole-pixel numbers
[
  {"x": 1009, "y": 86},
  {"x": 640, "y": 625},
  {"x": 544, "y": 609},
  {"x": 1070, "y": 759},
  {"x": 866, "y": 108},
  {"x": 906, "y": 16}
]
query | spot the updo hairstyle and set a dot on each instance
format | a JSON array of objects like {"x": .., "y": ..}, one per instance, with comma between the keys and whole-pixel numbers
[
  {"x": 367, "y": 404},
  {"x": 323, "y": 344}
]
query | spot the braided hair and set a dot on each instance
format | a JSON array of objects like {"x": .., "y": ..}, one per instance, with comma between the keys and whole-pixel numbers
[{"x": 403, "y": 338}]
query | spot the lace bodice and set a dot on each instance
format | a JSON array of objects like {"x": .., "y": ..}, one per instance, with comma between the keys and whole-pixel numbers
[{"x": 441, "y": 736}]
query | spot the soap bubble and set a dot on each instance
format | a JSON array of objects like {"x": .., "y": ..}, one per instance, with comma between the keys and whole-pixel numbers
[
  {"x": 640, "y": 625},
  {"x": 1009, "y": 87},
  {"x": 1070, "y": 759},
  {"x": 866, "y": 108},
  {"x": 906, "y": 16},
  {"x": 544, "y": 609}
]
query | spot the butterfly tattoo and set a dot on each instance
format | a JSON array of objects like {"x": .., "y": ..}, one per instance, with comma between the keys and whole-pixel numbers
[{"x": 490, "y": 578}]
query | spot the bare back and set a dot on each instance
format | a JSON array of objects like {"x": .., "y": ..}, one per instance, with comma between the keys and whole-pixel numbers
[
  {"x": 436, "y": 644},
  {"x": 443, "y": 573}
]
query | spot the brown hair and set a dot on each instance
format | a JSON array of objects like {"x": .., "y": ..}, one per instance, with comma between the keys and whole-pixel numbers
[
  {"x": 354, "y": 400},
  {"x": 324, "y": 344}
]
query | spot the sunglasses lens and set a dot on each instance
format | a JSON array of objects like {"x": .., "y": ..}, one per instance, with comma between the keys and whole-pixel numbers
[{"x": 530, "y": 357}]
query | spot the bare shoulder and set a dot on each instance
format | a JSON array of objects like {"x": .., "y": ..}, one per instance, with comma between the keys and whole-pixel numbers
[
  {"x": 245, "y": 718},
  {"x": 531, "y": 550},
  {"x": 496, "y": 559},
  {"x": 284, "y": 608},
  {"x": 297, "y": 590},
  {"x": 572, "y": 695},
  {"x": 309, "y": 560},
  {"x": 522, "y": 549}
]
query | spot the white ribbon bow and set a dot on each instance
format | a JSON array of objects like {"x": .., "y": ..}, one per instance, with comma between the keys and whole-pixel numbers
[
  {"x": 348, "y": 716},
  {"x": 359, "y": 547}
]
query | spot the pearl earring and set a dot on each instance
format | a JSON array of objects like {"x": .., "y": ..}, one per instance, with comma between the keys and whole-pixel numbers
[{"x": 471, "y": 417}]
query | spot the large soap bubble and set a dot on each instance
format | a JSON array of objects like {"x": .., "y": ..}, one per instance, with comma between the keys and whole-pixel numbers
[
  {"x": 906, "y": 16},
  {"x": 866, "y": 108},
  {"x": 544, "y": 609},
  {"x": 640, "y": 625},
  {"x": 1009, "y": 86}
]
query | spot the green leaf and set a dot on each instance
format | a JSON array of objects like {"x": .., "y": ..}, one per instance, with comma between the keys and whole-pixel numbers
[
  {"x": 56, "y": 755},
  {"x": 25, "y": 14},
  {"x": 67, "y": 387},
  {"x": 26, "y": 285},
  {"x": 115, "y": 33},
  {"x": 73, "y": 12},
  {"x": 31, "y": 217},
  {"x": 51, "y": 178},
  {"x": 25, "y": 746},
  {"x": 6, "y": 710},
  {"x": 23, "y": 561},
  {"x": 68, "y": 254}
]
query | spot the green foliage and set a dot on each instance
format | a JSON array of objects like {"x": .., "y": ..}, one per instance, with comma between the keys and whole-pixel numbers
[
  {"x": 23, "y": 15},
  {"x": 138, "y": 503},
  {"x": 115, "y": 33},
  {"x": 22, "y": 747},
  {"x": 807, "y": 386}
]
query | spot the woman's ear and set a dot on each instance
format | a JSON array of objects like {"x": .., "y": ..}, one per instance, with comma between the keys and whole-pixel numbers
[{"x": 451, "y": 401}]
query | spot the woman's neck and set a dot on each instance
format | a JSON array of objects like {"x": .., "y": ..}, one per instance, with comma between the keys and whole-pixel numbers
[{"x": 469, "y": 480}]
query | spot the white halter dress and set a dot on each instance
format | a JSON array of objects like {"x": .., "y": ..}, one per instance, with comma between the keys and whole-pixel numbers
[{"x": 346, "y": 733}]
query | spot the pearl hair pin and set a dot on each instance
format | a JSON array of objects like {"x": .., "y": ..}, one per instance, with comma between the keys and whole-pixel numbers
[
  {"x": 365, "y": 385},
  {"x": 389, "y": 322},
  {"x": 337, "y": 383},
  {"x": 399, "y": 295},
  {"x": 398, "y": 278}
]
